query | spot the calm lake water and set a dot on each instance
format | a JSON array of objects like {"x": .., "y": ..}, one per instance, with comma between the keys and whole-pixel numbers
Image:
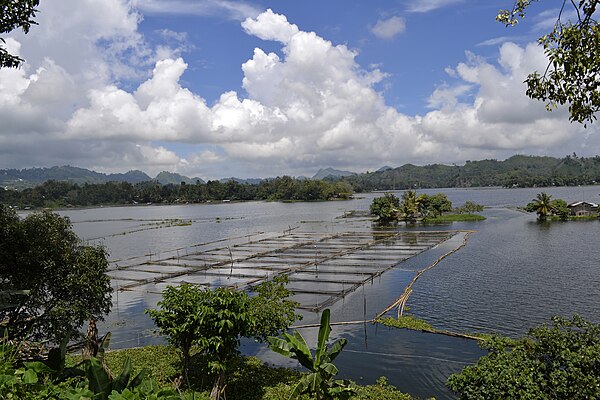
[{"x": 513, "y": 274}]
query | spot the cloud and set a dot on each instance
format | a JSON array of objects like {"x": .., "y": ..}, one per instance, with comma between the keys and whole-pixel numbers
[
  {"x": 270, "y": 26},
  {"x": 389, "y": 28},
  {"x": 236, "y": 10},
  {"x": 307, "y": 106},
  {"x": 421, "y": 6},
  {"x": 496, "y": 41}
]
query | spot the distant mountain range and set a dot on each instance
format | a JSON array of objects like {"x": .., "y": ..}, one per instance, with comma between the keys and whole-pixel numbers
[
  {"x": 328, "y": 173},
  {"x": 21, "y": 178},
  {"x": 168, "y": 178},
  {"x": 516, "y": 171},
  {"x": 29, "y": 177}
]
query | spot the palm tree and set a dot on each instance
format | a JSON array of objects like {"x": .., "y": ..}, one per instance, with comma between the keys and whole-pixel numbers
[
  {"x": 542, "y": 205},
  {"x": 411, "y": 205}
]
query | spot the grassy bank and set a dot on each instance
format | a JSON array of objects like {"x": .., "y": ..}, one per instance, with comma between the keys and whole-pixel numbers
[
  {"x": 249, "y": 379},
  {"x": 455, "y": 218}
]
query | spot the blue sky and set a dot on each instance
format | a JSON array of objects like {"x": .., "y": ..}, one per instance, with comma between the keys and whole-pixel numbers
[{"x": 214, "y": 88}]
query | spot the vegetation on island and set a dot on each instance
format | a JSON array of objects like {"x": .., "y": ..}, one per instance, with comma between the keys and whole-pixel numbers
[
  {"x": 65, "y": 194},
  {"x": 406, "y": 322},
  {"x": 544, "y": 206},
  {"x": 556, "y": 209},
  {"x": 427, "y": 208}
]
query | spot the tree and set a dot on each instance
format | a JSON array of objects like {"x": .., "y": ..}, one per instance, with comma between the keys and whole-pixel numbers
[
  {"x": 560, "y": 208},
  {"x": 214, "y": 321},
  {"x": 560, "y": 361},
  {"x": 573, "y": 74},
  {"x": 15, "y": 14},
  {"x": 65, "y": 279},
  {"x": 320, "y": 380},
  {"x": 385, "y": 208},
  {"x": 542, "y": 205},
  {"x": 411, "y": 205},
  {"x": 435, "y": 205}
]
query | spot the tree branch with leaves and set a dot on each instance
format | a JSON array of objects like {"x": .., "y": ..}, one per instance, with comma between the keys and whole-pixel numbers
[
  {"x": 15, "y": 14},
  {"x": 572, "y": 76}
]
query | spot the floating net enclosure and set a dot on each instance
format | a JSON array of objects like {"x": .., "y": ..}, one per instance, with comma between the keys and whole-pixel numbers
[{"x": 321, "y": 268}]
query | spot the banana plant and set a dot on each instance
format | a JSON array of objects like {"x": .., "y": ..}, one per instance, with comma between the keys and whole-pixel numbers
[
  {"x": 102, "y": 384},
  {"x": 320, "y": 381}
]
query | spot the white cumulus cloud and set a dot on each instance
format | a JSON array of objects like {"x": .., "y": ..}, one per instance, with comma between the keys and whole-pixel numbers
[{"x": 389, "y": 28}]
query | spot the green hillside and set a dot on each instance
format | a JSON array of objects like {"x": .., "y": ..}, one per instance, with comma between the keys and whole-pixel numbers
[{"x": 516, "y": 171}]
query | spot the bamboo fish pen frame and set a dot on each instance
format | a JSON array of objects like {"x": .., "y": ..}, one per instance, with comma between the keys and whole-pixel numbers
[{"x": 322, "y": 267}]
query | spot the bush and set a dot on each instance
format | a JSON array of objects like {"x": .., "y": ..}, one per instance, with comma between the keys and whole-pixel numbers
[
  {"x": 561, "y": 361},
  {"x": 385, "y": 208}
]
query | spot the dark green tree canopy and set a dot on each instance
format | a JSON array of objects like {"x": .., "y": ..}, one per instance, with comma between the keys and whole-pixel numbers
[
  {"x": 15, "y": 14},
  {"x": 573, "y": 49},
  {"x": 559, "y": 361},
  {"x": 65, "y": 279},
  {"x": 214, "y": 321}
]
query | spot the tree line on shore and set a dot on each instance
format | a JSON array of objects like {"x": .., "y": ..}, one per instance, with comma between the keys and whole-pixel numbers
[{"x": 65, "y": 194}]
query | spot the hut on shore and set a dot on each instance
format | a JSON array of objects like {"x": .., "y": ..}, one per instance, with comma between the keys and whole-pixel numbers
[{"x": 583, "y": 209}]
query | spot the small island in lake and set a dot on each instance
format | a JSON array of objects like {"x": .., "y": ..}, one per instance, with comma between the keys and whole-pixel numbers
[
  {"x": 558, "y": 209},
  {"x": 425, "y": 208}
]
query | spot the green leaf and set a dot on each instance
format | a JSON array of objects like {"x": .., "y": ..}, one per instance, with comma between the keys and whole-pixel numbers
[
  {"x": 329, "y": 368},
  {"x": 39, "y": 367},
  {"x": 300, "y": 348},
  {"x": 99, "y": 382},
  {"x": 123, "y": 379},
  {"x": 139, "y": 378},
  {"x": 336, "y": 349},
  {"x": 302, "y": 386},
  {"x": 280, "y": 346},
  {"x": 324, "y": 331},
  {"x": 30, "y": 377}
]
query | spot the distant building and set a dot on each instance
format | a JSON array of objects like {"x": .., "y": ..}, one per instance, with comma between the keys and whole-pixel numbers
[{"x": 583, "y": 209}]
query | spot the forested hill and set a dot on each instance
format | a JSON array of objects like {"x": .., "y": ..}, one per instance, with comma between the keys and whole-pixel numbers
[
  {"x": 516, "y": 171},
  {"x": 22, "y": 178}
]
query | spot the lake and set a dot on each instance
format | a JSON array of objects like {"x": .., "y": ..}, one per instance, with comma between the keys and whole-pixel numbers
[{"x": 513, "y": 274}]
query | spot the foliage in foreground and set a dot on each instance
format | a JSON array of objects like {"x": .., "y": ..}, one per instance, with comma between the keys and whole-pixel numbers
[
  {"x": 214, "y": 321},
  {"x": 90, "y": 379},
  {"x": 62, "y": 281},
  {"x": 319, "y": 381},
  {"x": 560, "y": 361},
  {"x": 250, "y": 378},
  {"x": 15, "y": 14}
]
